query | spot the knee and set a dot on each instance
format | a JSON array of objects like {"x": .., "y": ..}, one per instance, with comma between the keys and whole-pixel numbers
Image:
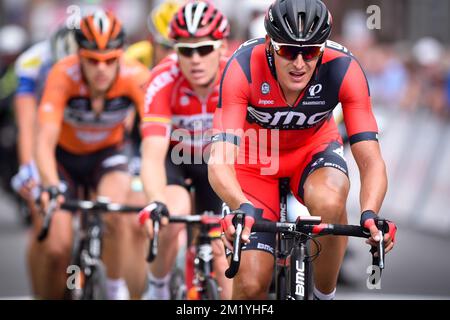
[
  {"x": 115, "y": 186},
  {"x": 57, "y": 254},
  {"x": 116, "y": 224},
  {"x": 178, "y": 200},
  {"x": 329, "y": 204},
  {"x": 249, "y": 288}
]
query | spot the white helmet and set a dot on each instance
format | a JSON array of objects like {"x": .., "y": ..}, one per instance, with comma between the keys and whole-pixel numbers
[
  {"x": 13, "y": 39},
  {"x": 63, "y": 43}
]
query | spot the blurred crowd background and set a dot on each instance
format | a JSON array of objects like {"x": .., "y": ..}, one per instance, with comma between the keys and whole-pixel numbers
[{"x": 406, "y": 60}]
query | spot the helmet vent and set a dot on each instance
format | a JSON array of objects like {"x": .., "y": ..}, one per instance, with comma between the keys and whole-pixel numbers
[
  {"x": 287, "y": 23},
  {"x": 301, "y": 18},
  {"x": 314, "y": 24}
]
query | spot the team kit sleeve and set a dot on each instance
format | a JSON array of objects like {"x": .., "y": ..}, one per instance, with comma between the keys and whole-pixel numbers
[
  {"x": 157, "y": 114},
  {"x": 54, "y": 99},
  {"x": 354, "y": 95},
  {"x": 230, "y": 114},
  {"x": 27, "y": 68},
  {"x": 140, "y": 82}
]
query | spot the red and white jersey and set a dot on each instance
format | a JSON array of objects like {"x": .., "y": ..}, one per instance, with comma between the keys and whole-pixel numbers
[{"x": 171, "y": 104}]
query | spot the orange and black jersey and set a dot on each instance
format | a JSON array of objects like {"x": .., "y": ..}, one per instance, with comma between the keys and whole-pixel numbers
[
  {"x": 66, "y": 103},
  {"x": 251, "y": 98}
]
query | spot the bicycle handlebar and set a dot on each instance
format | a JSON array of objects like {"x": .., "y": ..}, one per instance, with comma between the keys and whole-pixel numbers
[
  {"x": 319, "y": 229},
  {"x": 205, "y": 218},
  {"x": 308, "y": 225},
  {"x": 101, "y": 205}
]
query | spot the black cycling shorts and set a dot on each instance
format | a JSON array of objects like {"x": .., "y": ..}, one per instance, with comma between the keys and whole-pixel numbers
[
  {"x": 194, "y": 176},
  {"x": 86, "y": 171}
]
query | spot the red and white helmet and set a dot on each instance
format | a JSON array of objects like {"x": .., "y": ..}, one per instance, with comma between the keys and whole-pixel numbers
[{"x": 198, "y": 19}]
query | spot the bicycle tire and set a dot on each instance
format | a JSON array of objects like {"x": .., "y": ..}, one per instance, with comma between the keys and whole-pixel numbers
[
  {"x": 95, "y": 286},
  {"x": 211, "y": 289},
  {"x": 178, "y": 290}
]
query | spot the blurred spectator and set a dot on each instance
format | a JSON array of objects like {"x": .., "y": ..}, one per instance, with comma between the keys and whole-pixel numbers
[
  {"x": 13, "y": 40},
  {"x": 427, "y": 77},
  {"x": 386, "y": 75},
  {"x": 448, "y": 92}
]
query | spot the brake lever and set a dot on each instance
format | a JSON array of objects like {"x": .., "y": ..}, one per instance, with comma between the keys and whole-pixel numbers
[
  {"x": 236, "y": 257},
  {"x": 47, "y": 220},
  {"x": 381, "y": 225},
  {"x": 153, "y": 249}
]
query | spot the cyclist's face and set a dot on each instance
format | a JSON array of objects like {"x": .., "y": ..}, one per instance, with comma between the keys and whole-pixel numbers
[
  {"x": 200, "y": 66},
  {"x": 294, "y": 75},
  {"x": 100, "y": 70}
]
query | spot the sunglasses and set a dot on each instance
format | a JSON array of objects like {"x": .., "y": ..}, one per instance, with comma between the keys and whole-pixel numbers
[
  {"x": 202, "y": 48},
  {"x": 291, "y": 51},
  {"x": 95, "y": 58}
]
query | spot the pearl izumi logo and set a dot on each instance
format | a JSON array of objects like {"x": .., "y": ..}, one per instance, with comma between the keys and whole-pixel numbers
[
  {"x": 265, "y": 88},
  {"x": 315, "y": 89},
  {"x": 270, "y": 15}
]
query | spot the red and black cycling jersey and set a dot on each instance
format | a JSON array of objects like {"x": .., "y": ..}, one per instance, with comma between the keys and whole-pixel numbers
[{"x": 250, "y": 97}]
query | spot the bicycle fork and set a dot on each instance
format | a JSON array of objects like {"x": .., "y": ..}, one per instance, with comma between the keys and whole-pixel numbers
[{"x": 294, "y": 268}]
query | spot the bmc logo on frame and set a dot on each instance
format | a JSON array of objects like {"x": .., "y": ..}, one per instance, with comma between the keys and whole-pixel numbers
[{"x": 374, "y": 279}]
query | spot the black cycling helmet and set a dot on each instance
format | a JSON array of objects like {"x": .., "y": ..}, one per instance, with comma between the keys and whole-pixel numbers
[{"x": 298, "y": 22}]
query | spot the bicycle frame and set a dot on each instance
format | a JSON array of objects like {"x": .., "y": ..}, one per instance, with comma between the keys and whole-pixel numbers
[
  {"x": 293, "y": 268},
  {"x": 203, "y": 259},
  {"x": 87, "y": 249}
]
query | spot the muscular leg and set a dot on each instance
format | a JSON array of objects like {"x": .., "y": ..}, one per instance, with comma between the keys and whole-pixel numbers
[
  {"x": 115, "y": 186},
  {"x": 136, "y": 265},
  {"x": 326, "y": 191},
  {"x": 255, "y": 274},
  {"x": 178, "y": 203},
  {"x": 33, "y": 261},
  {"x": 51, "y": 257},
  {"x": 220, "y": 264}
]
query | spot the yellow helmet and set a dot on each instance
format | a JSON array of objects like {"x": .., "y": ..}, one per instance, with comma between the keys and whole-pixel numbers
[{"x": 158, "y": 21}]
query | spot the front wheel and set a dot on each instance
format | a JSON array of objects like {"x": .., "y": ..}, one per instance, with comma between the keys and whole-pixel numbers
[
  {"x": 95, "y": 286},
  {"x": 211, "y": 290},
  {"x": 177, "y": 285}
]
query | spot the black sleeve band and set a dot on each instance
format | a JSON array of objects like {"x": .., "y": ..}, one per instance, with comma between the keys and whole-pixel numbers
[
  {"x": 363, "y": 136},
  {"x": 225, "y": 137}
]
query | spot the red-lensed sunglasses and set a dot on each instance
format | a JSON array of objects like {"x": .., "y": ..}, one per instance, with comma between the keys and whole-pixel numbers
[{"x": 291, "y": 51}]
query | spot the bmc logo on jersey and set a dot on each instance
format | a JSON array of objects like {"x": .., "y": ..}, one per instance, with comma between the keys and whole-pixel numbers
[{"x": 285, "y": 119}]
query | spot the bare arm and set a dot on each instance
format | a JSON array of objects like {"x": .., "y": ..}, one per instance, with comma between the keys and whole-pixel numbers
[
  {"x": 222, "y": 175},
  {"x": 153, "y": 172},
  {"x": 47, "y": 139},
  {"x": 25, "y": 110},
  {"x": 372, "y": 174}
]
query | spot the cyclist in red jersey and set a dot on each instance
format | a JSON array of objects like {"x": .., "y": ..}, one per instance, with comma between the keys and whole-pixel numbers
[
  {"x": 86, "y": 100},
  {"x": 284, "y": 88},
  {"x": 180, "y": 102}
]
